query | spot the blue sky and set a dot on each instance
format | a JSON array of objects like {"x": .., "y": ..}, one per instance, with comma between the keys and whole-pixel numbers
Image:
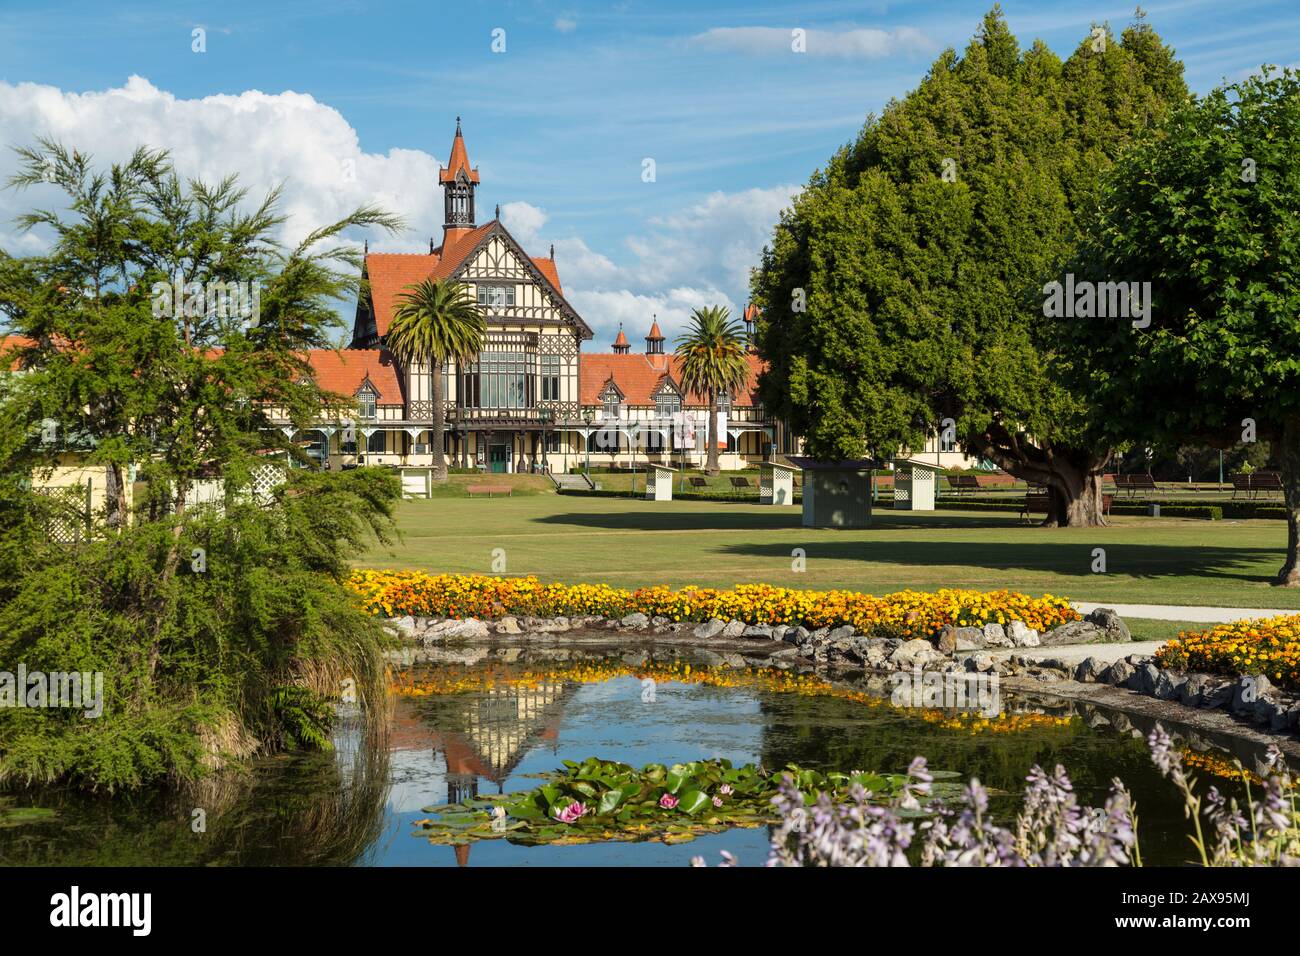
[{"x": 559, "y": 123}]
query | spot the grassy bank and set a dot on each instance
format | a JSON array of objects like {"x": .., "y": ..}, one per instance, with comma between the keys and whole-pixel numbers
[{"x": 630, "y": 542}]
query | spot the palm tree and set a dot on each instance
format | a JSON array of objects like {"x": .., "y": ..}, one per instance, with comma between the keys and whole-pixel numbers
[
  {"x": 436, "y": 322},
  {"x": 712, "y": 356}
]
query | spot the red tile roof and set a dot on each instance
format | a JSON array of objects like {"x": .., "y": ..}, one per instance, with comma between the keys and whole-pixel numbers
[
  {"x": 638, "y": 375},
  {"x": 8, "y": 345},
  {"x": 391, "y": 272},
  {"x": 344, "y": 372},
  {"x": 459, "y": 161}
]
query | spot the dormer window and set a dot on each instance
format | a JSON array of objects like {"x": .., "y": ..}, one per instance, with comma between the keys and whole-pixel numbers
[
  {"x": 496, "y": 296},
  {"x": 667, "y": 402},
  {"x": 367, "y": 398},
  {"x": 610, "y": 403}
]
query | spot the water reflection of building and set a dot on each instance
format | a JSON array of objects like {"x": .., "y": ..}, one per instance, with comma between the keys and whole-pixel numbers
[
  {"x": 488, "y": 736},
  {"x": 483, "y": 736}
]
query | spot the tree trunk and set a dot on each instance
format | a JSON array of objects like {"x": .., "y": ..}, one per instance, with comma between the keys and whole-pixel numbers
[
  {"x": 1288, "y": 452},
  {"x": 711, "y": 460},
  {"x": 1072, "y": 476},
  {"x": 439, "y": 422},
  {"x": 1074, "y": 497},
  {"x": 114, "y": 496}
]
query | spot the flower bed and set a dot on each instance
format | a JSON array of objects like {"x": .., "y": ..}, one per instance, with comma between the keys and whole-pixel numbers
[
  {"x": 901, "y": 614},
  {"x": 1268, "y": 646}
]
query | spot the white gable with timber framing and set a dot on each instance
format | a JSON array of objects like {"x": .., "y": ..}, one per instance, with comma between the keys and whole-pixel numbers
[{"x": 510, "y": 286}]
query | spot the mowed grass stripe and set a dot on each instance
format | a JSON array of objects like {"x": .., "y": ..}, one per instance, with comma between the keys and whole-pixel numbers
[{"x": 634, "y": 543}]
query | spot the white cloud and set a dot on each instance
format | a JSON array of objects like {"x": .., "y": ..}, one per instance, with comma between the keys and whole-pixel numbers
[
  {"x": 604, "y": 310},
  {"x": 265, "y": 138},
  {"x": 524, "y": 220},
  {"x": 854, "y": 43},
  {"x": 702, "y": 255},
  {"x": 566, "y": 24}
]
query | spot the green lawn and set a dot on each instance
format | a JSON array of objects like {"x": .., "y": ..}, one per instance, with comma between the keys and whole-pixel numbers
[{"x": 631, "y": 543}]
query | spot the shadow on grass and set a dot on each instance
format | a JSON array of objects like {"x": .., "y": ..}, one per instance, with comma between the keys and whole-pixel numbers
[
  {"x": 759, "y": 518},
  {"x": 1068, "y": 559}
]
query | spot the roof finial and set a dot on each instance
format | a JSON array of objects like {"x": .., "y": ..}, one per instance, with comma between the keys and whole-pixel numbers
[
  {"x": 498, "y": 211},
  {"x": 458, "y": 125},
  {"x": 367, "y": 252},
  {"x": 431, "y": 245},
  {"x": 552, "y": 252}
]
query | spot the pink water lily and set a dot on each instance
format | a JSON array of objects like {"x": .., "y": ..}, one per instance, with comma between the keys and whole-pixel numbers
[
  {"x": 572, "y": 812},
  {"x": 725, "y": 790},
  {"x": 667, "y": 801},
  {"x": 717, "y": 801}
]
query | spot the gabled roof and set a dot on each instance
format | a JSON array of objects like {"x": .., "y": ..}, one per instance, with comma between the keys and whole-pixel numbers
[
  {"x": 346, "y": 371},
  {"x": 638, "y": 377},
  {"x": 390, "y": 273}
]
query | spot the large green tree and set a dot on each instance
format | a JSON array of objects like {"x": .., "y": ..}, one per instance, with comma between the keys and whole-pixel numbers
[
  {"x": 436, "y": 322},
  {"x": 1207, "y": 210},
  {"x": 712, "y": 356},
  {"x": 900, "y": 293}
]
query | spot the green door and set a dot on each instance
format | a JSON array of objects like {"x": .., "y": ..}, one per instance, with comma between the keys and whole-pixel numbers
[{"x": 498, "y": 455}]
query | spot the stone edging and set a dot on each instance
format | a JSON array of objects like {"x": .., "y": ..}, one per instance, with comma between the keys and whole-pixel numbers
[{"x": 734, "y": 642}]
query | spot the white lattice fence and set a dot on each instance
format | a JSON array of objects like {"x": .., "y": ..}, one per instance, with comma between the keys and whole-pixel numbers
[
  {"x": 68, "y": 519},
  {"x": 266, "y": 478}
]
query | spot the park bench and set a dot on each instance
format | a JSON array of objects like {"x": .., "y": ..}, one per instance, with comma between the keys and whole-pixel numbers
[
  {"x": 1252, "y": 485},
  {"x": 963, "y": 483},
  {"x": 1134, "y": 483},
  {"x": 1036, "y": 504},
  {"x": 698, "y": 482},
  {"x": 1266, "y": 482},
  {"x": 488, "y": 490},
  {"x": 742, "y": 483}
]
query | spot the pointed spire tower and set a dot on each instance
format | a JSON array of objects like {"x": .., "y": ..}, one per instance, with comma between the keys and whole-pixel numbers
[
  {"x": 459, "y": 181},
  {"x": 621, "y": 345},
  {"x": 654, "y": 342}
]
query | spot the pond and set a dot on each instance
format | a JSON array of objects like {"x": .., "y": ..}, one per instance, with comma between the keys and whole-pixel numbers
[{"x": 469, "y": 730}]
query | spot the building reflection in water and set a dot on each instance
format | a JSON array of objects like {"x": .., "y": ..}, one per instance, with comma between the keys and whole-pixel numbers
[{"x": 483, "y": 736}]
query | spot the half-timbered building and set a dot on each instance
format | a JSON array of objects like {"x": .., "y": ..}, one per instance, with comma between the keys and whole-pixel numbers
[{"x": 532, "y": 399}]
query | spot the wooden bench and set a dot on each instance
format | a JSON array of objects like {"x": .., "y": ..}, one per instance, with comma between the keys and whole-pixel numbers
[
  {"x": 698, "y": 482},
  {"x": 488, "y": 490},
  {"x": 1253, "y": 484},
  {"x": 738, "y": 482},
  {"x": 1266, "y": 482},
  {"x": 1036, "y": 504},
  {"x": 1134, "y": 483},
  {"x": 963, "y": 483}
]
